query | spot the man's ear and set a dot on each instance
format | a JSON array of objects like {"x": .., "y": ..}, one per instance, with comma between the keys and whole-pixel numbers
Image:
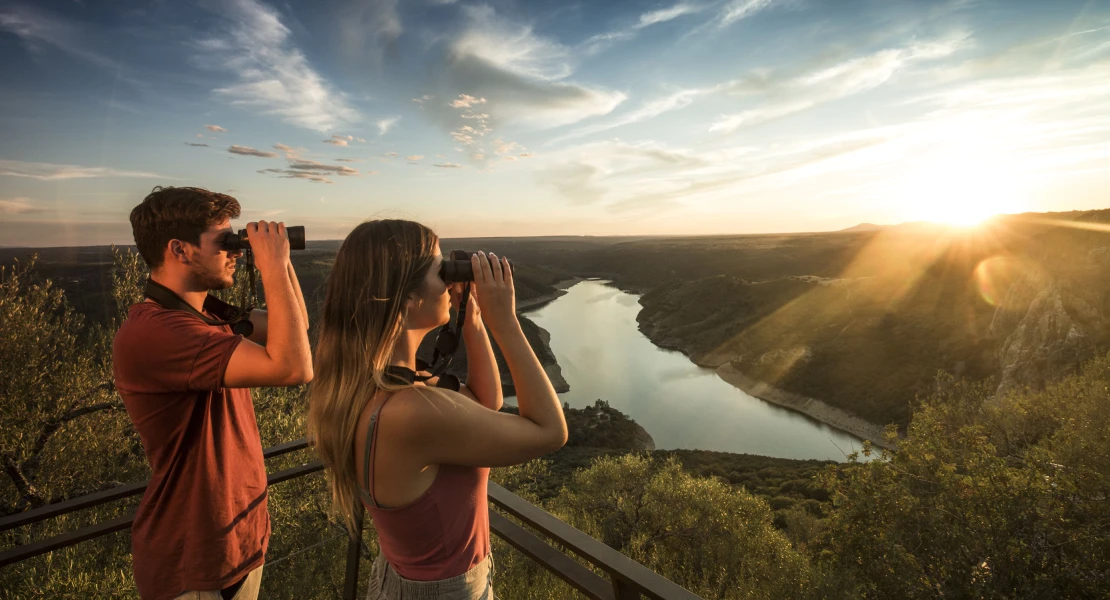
[{"x": 179, "y": 251}]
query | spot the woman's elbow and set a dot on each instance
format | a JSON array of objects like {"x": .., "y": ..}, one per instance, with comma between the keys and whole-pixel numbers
[{"x": 558, "y": 439}]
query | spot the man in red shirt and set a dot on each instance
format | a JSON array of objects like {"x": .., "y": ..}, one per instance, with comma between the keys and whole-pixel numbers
[{"x": 202, "y": 528}]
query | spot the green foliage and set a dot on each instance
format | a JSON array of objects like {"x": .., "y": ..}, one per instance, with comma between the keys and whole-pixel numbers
[
  {"x": 986, "y": 497},
  {"x": 705, "y": 536},
  {"x": 57, "y": 372},
  {"x": 65, "y": 434}
]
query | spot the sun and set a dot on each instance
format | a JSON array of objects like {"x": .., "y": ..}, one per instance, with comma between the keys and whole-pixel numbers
[{"x": 962, "y": 185}]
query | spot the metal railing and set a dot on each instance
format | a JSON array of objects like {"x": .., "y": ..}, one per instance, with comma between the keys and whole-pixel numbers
[{"x": 627, "y": 579}]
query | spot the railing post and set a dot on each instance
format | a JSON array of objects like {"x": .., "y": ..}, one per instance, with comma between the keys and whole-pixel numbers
[{"x": 354, "y": 547}]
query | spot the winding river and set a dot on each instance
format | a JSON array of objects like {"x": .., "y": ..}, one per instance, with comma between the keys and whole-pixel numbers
[{"x": 603, "y": 355}]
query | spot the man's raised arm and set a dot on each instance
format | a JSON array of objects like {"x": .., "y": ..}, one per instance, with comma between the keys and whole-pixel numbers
[
  {"x": 260, "y": 318},
  {"x": 286, "y": 358}
]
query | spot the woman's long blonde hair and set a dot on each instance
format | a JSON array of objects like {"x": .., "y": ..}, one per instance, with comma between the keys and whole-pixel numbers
[{"x": 379, "y": 265}]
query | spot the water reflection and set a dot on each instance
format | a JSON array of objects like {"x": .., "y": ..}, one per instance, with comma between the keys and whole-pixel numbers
[{"x": 603, "y": 355}]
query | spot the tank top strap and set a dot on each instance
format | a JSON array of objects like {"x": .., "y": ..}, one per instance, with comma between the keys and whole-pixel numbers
[{"x": 367, "y": 493}]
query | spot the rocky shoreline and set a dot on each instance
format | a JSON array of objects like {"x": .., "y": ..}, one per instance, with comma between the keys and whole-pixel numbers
[
  {"x": 829, "y": 415},
  {"x": 560, "y": 287}
]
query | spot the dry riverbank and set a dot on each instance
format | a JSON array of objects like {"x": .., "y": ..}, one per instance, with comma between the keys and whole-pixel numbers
[{"x": 829, "y": 415}]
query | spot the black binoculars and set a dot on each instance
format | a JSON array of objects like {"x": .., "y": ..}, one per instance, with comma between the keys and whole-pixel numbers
[
  {"x": 458, "y": 268},
  {"x": 232, "y": 241}
]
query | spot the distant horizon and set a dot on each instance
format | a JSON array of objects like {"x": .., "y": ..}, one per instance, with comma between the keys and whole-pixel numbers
[
  {"x": 309, "y": 240},
  {"x": 525, "y": 119}
]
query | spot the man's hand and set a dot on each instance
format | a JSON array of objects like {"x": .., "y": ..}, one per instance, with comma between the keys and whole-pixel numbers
[{"x": 270, "y": 246}]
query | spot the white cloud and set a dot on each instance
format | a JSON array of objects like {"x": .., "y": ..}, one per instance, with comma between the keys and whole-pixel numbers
[
  {"x": 289, "y": 151},
  {"x": 51, "y": 171},
  {"x": 841, "y": 80},
  {"x": 415, "y": 157},
  {"x": 311, "y": 170},
  {"x": 19, "y": 206},
  {"x": 311, "y": 165},
  {"x": 289, "y": 174},
  {"x": 502, "y": 147},
  {"x": 737, "y": 10},
  {"x": 336, "y": 140},
  {"x": 1012, "y": 137},
  {"x": 511, "y": 47},
  {"x": 665, "y": 14},
  {"x": 465, "y": 101},
  {"x": 248, "y": 151},
  {"x": 522, "y": 75},
  {"x": 215, "y": 128},
  {"x": 37, "y": 29},
  {"x": 274, "y": 78},
  {"x": 651, "y": 109},
  {"x": 612, "y": 171},
  {"x": 384, "y": 125},
  {"x": 449, "y": 165},
  {"x": 602, "y": 41}
]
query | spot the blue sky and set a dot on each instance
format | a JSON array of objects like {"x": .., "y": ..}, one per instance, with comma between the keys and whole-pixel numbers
[{"x": 552, "y": 118}]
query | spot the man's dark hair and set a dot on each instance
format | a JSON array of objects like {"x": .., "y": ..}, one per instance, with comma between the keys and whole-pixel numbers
[{"x": 177, "y": 213}]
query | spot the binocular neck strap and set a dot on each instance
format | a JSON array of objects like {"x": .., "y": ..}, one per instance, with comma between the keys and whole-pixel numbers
[
  {"x": 238, "y": 319},
  {"x": 446, "y": 343}
]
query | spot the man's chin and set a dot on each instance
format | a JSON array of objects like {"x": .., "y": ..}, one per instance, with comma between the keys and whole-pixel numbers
[{"x": 221, "y": 283}]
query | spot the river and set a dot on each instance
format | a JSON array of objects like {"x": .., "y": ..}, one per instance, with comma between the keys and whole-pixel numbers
[{"x": 603, "y": 355}]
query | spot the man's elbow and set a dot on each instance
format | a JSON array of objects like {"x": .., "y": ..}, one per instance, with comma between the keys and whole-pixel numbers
[
  {"x": 305, "y": 375},
  {"x": 300, "y": 375}
]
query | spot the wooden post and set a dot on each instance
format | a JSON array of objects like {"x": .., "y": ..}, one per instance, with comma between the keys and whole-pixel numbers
[{"x": 354, "y": 550}]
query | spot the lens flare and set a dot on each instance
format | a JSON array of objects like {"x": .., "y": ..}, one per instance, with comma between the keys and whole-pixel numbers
[{"x": 993, "y": 277}]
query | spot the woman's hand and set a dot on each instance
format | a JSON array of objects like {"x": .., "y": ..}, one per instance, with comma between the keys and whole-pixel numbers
[
  {"x": 473, "y": 312},
  {"x": 493, "y": 290}
]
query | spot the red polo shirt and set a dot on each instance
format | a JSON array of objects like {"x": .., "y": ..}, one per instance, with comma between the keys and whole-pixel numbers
[{"x": 202, "y": 524}]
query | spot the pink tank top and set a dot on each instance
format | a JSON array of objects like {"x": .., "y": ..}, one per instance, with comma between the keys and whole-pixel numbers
[{"x": 441, "y": 534}]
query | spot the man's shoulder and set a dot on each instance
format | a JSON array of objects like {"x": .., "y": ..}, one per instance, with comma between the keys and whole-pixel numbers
[{"x": 154, "y": 322}]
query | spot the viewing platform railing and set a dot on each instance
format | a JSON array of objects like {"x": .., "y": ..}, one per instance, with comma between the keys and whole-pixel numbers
[{"x": 627, "y": 579}]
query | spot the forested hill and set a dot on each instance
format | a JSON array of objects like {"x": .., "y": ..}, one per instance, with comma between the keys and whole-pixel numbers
[
  {"x": 1019, "y": 302},
  {"x": 865, "y": 319}
]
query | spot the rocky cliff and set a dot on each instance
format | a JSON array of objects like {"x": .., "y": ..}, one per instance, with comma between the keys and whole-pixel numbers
[{"x": 1046, "y": 327}]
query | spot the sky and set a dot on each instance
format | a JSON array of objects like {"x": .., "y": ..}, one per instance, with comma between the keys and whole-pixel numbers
[{"x": 508, "y": 118}]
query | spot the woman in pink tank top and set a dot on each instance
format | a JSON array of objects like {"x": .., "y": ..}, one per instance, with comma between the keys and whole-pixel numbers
[{"x": 417, "y": 456}]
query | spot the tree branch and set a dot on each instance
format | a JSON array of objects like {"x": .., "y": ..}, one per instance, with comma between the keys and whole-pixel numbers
[
  {"x": 28, "y": 493},
  {"x": 52, "y": 426},
  {"x": 30, "y": 464}
]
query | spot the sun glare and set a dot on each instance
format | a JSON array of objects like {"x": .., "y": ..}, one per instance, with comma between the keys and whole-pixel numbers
[{"x": 962, "y": 186}]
